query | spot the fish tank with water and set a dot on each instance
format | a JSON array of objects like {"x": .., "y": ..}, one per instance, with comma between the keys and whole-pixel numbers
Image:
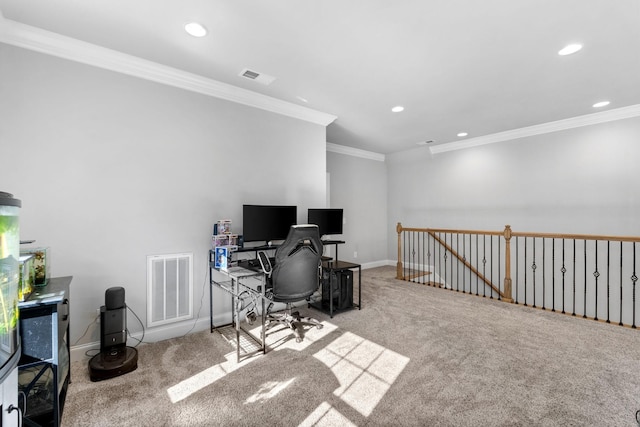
[{"x": 9, "y": 279}]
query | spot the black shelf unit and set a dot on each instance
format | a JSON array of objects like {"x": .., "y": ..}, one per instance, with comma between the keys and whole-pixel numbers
[
  {"x": 44, "y": 369},
  {"x": 337, "y": 287}
]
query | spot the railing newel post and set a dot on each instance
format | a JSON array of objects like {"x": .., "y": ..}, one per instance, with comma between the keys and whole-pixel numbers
[
  {"x": 399, "y": 275},
  {"x": 507, "y": 264}
]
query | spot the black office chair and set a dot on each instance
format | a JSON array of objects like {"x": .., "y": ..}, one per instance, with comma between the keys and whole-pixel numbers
[{"x": 294, "y": 277}]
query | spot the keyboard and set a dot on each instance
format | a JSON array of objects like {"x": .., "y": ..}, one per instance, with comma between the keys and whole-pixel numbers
[{"x": 254, "y": 264}]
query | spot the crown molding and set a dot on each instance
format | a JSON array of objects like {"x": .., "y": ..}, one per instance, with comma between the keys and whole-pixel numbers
[
  {"x": 50, "y": 43},
  {"x": 574, "y": 122},
  {"x": 356, "y": 152}
]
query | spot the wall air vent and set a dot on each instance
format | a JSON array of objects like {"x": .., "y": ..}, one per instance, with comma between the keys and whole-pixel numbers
[{"x": 257, "y": 77}]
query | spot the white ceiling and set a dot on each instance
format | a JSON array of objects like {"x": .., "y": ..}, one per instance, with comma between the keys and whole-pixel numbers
[{"x": 480, "y": 67}]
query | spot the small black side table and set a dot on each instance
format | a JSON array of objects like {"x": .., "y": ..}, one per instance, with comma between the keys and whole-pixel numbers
[{"x": 334, "y": 270}]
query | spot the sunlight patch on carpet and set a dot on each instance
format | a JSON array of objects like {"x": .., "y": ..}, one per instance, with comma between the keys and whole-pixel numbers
[
  {"x": 276, "y": 340},
  {"x": 364, "y": 369},
  {"x": 268, "y": 390},
  {"x": 326, "y": 415}
]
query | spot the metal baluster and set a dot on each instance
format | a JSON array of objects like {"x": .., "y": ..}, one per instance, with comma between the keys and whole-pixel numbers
[
  {"x": 452, "y": 260},
  {"x": 533, "y": 267},
  {"x": 574, "y": 278},
  {"x": 499, "y": 269},
  {"x": 584, "y": 310},
  {"x": 404, "y": 254},
  {"x": 517, "y": 263},
  {"x": 563, "y": 270},
  {"x": 434, "y": 261},
  {"x": 432, "y": 270},
  {"x": 596, "y": 274},
  {"x": 608, "y": 278},
  {"x": 620, "y": 284},
  {"x": 424, "y": 265},
  {"x": 525, "y": 271},
  {"x": 414, "y": 265},
  {"x": 544, "y": 257},
  {"x": 478, "y": 264},
  {"x": 634, "y": 279},
  {"x": 553, "y": 276},
  {"x": 464, "y": 265},
  {"x": 440, "y": 260},
  {"x": 484, "y": 263},
  {"x": 457, "y": 263},
  {"x": 445, "y": 261},
  {"x": 491, "y": 264}
]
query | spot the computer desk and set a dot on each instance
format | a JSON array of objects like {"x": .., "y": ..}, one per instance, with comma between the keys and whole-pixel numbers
[{"x": 239, "y": 281}]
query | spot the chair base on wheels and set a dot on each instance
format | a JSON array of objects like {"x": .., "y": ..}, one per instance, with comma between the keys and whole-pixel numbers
[{"x": 292, "y": 320}]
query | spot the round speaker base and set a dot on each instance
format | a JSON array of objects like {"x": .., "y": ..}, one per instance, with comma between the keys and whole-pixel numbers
[{"x": 113, "y": 363}]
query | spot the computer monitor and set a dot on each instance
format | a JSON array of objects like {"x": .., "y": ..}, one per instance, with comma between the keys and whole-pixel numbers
[
  {"x": 329, "y": 220},
  {"x": 265, "y": 223}
]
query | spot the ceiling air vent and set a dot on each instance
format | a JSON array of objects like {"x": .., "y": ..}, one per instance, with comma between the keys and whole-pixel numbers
[{"x": 257, "y": 77}]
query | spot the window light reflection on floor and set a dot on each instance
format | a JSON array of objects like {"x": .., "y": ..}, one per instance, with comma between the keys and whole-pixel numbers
[
  {"x": 268, "y": 390},
  {"x": 364, "y": 369},
  {"x": 326, "y": 415}
]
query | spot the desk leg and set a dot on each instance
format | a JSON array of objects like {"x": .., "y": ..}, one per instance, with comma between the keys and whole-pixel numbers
[
  {"x": 264, "y": 317},
  {"x": 235, "y": 316},
  {"x": 210, "y": 303},
  {"x": 359, "y": 288},
  {"x": 331, "y": 293}
]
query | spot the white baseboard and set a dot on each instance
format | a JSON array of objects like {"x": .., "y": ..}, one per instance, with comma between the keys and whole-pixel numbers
[{"x": 78, "y": 352}]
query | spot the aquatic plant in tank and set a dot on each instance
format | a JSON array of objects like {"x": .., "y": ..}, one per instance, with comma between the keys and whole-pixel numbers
[
  {"x": 9, "y": 238},
  {"x": 9, "y": 276}
]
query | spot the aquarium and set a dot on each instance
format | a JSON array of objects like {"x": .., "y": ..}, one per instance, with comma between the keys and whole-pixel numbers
[
  {"x": 27, "y": 279},
  {"x": 9, "y": 279},
  {"x": 41, "y": 264}
]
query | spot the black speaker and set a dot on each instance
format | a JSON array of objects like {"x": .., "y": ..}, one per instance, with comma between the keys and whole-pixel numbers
[{"x": 114, "y": 298}]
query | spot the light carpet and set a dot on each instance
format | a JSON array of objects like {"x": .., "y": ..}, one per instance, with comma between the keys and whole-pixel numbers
[{"x": 413, "y": 356}]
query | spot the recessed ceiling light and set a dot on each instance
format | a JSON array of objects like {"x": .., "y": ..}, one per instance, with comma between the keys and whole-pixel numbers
[
  {"x": 461, "y": 134},
  {"x": 601, "y": 104},
  {"x": 570, "y": 49},
  {"x": 397, "y": 108},
  {"x": 195, "y": 29}
]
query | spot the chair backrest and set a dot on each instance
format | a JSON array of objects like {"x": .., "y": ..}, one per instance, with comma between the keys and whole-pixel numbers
[{"x": 295, "y": 275}]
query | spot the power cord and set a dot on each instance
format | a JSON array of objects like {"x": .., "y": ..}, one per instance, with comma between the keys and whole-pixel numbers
[
  {"x": 141, "y": 340},
  {"x": 88, "y": 352},
  {"x": 204, "y": 286}
]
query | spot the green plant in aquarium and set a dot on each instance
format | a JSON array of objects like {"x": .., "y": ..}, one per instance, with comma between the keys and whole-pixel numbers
[
  {"x": 8, "y": 312},
  {"x": 9, "y": 229}
]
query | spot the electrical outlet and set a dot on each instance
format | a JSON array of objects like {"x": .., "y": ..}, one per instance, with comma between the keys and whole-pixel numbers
[
  {"x": 355, "y": 254},
  {"x": 98, "y": 315}
]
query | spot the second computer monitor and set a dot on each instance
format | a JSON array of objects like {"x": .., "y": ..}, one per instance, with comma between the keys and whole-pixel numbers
[{"x": 329, "y": 220}]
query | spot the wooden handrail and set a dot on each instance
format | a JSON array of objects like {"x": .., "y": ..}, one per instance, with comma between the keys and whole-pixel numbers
[{"x": 400, "y": 229}]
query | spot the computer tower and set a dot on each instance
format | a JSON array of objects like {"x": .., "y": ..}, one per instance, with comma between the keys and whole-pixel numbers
[{"x": 340, "y": 283}]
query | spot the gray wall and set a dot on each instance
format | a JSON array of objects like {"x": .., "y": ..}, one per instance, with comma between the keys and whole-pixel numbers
[
  {"x": 582, "y": 180},
  {"x": 111, "y": 169},
  {"x": 359, "y": 186}
]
